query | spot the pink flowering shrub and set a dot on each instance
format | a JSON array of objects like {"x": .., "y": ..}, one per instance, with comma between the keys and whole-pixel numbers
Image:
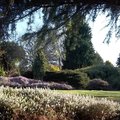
[{"x": 21, "y": 81}]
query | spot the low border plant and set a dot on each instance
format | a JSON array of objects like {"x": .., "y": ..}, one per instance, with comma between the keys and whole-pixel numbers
[{"x": 52, "y": 105}]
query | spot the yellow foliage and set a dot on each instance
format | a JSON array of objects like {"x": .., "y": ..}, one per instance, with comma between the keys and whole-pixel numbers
[{"x": 54, "y": 68}]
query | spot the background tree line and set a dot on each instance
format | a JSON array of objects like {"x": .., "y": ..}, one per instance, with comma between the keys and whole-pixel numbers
[{"x": 65, "y": 55}]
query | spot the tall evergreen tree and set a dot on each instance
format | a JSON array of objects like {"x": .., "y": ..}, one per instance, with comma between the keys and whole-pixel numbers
[
  {"x": 98, "y": 59},
  {"x": 38, "y": 67},
  {"x": 78, "y": 46}
]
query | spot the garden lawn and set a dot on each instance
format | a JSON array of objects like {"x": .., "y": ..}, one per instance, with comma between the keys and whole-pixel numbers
[{"x": 113, "y": 95}]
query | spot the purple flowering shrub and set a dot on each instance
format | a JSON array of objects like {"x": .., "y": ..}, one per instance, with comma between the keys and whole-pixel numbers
[{"x": 21, "y": 81}]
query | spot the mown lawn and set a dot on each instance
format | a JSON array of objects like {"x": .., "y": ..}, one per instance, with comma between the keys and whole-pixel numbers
[{"x": 113, "y": 95}]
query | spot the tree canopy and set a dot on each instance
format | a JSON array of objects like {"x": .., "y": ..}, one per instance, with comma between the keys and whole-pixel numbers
[
  {"x": 78, "y": 46},
  {"x": 13, "y": 10},
  {"x": 11, "y": 53}
]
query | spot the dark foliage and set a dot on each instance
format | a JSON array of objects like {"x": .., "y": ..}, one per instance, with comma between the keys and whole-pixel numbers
[
  {"x": 98, "y": 59},
  {"x": 78, "y": 80},
  {"x": 79, "y": 51},
  {"x": 98, "y": 84},
  {"x": 13, "y": 10},
  {"x": 27, "y": 74},
  {"x": 118, "y": 61},
  {"x": 108, "y": 73},
  {"x": 6, "y": 111},
  {"x": 13, "y": 52},
  {"x": 93, "y": 113},
  {"x": 38, "y": 66}
]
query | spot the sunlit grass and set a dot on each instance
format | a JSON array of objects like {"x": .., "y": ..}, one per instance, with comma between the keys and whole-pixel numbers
[{"x": 113, "y": 95}]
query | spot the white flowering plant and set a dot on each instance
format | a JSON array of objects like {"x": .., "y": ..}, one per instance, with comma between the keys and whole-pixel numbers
[{"x": 54, "y": 106}]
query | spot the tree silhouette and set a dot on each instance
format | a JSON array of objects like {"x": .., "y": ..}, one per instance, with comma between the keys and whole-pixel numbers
[{"x": 13, "y": 10}]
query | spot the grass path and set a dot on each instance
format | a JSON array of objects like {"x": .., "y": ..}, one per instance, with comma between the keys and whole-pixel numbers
[{"x": 113, "y": 95}]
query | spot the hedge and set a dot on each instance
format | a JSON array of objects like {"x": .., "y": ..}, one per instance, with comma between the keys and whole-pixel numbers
[{"x": 78, "y": 80}]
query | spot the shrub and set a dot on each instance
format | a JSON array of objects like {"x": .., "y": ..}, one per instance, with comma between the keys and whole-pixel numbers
[
  {"x": 12, "y": 73},
  {"x": 26, "y": 116},
  {"x": 2, "y": 72},
  {"x": 78, "y": 80},
  {"x": 54, "y": 68},
  {"x": 116, "y": 83},
  {"x": 27, "y": 74},
  {"x": 52, "y": 85},
  {"x": 32, "y": 104},
  {"x": 6, "y": 112},
  {"x": 101, "y": 71},
  {"x": 3, "y": 80},
  {"x": 97, "y": 111},
  {"x": 106, "y": 72},
  {"x": 23, "y": 82},
  {"x": 98, "y": 84}
]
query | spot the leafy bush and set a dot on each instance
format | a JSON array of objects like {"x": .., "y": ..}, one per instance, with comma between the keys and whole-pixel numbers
[
  {"x": 106, "y": 72},
  {"x": 13, "y": 53},
  {"x": 78, "y": 80},
  {"x": 31, "y": 104},
  {"x": 116, "y": 83},
  {"x": 2, "y": 72},
  {"x": 23, "y": 82},
  {"x": 93, "y": 112},
  {"x": 6, "y": 111},
  {"x": 27, "y": 74},
  {"x": 12, "y": 73},
  {"x": 48, "y": 67},
  {"x": 54, "y": 68},
  {"x": 98, "y": 84},
  {"x": 52, "y": 85}
]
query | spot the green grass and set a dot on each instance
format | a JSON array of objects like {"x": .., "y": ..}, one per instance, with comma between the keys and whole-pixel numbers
[{"x": 113, "y": 95}]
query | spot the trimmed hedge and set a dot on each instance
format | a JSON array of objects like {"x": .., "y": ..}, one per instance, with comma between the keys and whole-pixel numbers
[
  {"x": 78, "y": 80},
  {"x": 105, "y": 72}
]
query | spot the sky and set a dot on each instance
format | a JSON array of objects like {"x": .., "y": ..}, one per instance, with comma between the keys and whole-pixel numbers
[{"x": 108, "y": 52}]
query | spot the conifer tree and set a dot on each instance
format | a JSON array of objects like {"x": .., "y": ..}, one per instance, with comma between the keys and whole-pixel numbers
[
  {"x": 78, "y": 47},
  {"x": 39, "y": 65}
]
